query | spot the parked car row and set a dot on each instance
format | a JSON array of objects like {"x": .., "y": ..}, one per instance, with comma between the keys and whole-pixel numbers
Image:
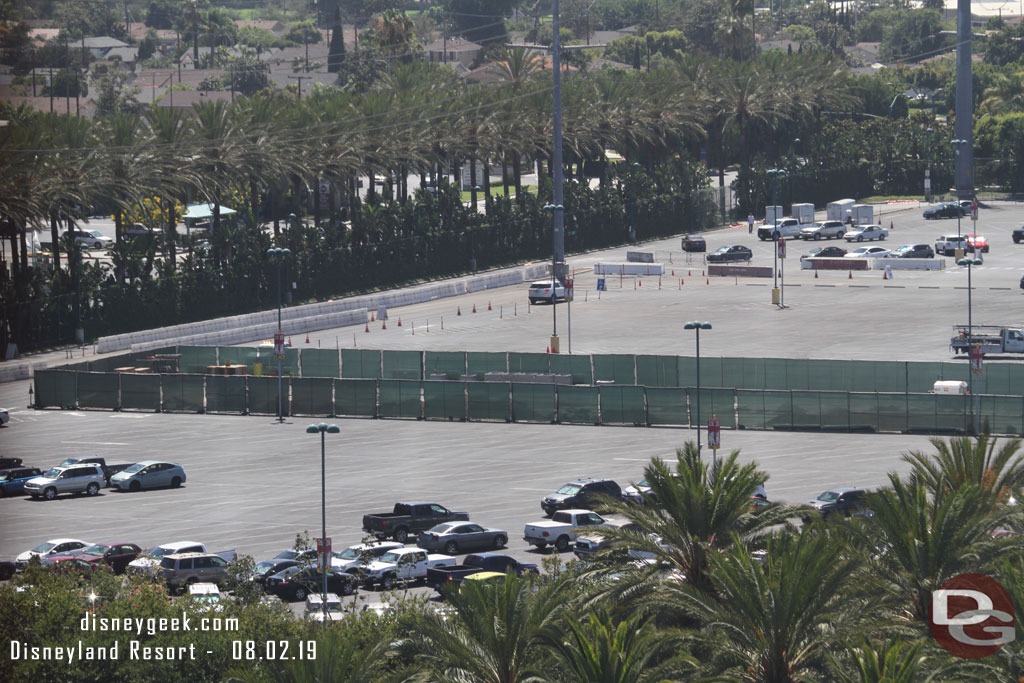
[{"x": 87, "y": 476}]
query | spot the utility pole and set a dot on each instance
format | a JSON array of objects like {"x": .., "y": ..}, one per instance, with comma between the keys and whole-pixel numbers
[
  {"x": 964, "y": 127},
  {"x": 299, "y": 79}
]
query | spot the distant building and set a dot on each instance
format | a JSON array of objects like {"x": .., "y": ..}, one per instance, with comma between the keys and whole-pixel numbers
[{"x": 452, "y": 49}]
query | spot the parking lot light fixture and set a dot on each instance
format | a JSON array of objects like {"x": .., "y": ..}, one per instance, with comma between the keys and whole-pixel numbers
[
  {"x": 774, "y": 174},
  {"x": 697, "y": 326},
  {"x": 969, "y": 263},
  {"x": 279, "y": 254},
  {"x": 958, "y": 144},
  {"x": 323, "y": 429}
]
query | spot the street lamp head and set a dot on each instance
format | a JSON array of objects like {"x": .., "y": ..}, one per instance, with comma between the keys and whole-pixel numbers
[
  {"x": 277, "y": 251},
  {"x": 697, "y": 325},
  {"x": 322, "y": 427},
  {"x": 970, "y": 262},
  {"x": 796, "y": 141}
]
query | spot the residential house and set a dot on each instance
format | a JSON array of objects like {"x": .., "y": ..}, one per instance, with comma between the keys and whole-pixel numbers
[{"x": 454, "y": 49}]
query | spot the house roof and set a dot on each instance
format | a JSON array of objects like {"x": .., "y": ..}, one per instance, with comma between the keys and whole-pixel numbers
[
  {"x": 184, "y": 99},
  {"x": 101, "y": 43},
  {"x": 453, "y": 44},
  {"x": 43, "y": 34},
  {"x": 125, "y": 54},
  {"x": 61, "y": 105}
]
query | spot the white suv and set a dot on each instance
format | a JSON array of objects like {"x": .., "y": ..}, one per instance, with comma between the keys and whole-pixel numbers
[
  {"x": 948, "y": 244},
  {"x": 74, "y": 479},
  {"x": 541, "y": 291}
]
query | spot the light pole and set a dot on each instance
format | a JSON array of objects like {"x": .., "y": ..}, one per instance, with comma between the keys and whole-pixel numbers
[
  {"x": 928, "y": 171},
  {"x": 323, "y": 429},
  {"x": 970, "y": 262},
  {"x": 555, "y": 209},
  {"x": 697, "y": 326},
  {"x": 792, "y": 171},
  {"x": 774, "y": 174},
  {"x": 279, "y": 337},
  {"x": 957, "y": 145}
]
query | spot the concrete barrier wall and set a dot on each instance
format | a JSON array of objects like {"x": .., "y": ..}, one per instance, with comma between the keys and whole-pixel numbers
[
  {"x": 241, "y": 335},
  {"x": 837, "y": 263},
  {"x": 908, "y": 263},
  {"x": 303, "y": 314},
  {"x": 746, "y": 271},
  {"x": 10, "y": 372},
  {"x": 629, "y": 269}
]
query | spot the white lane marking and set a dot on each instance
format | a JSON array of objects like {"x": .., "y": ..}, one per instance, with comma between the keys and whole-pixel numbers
[{"x": 95, "y": 443}]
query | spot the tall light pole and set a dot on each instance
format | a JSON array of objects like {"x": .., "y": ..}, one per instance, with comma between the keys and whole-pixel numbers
[
  {"x": 792, "y": 171},
  {"x": 279, "y": 337},
  {"x": 774, "y": 174},
  {"x": 928, "y": 171},
  {"x": 970, "y": 262},
  {"x": 323, "y": 429},
  {"x": 697, "y": 326},
  {"x": 963, "y": 126},
  {"x": 958, "y": 144}
]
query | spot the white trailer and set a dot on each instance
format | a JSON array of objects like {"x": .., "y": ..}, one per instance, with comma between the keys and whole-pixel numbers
[
  {"x": 862, "y": 214},
  {"x": 838, "y": 210},
  {"x": 771, "y": 213},
  {"x": 804, "y": 212}
]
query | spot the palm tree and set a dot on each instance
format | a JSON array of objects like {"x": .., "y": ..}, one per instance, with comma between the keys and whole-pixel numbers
[
  {"x": 964, "y": 461},
  {"x": 697, "y": 512},
  {"x": 170, "y": 131},
  {"x": 884, "y": 662},
  {"x": 776, "y": 622},
  {"x": 597, "y": 650},
  {"x": 495, "y": 634},
  {"x": 920, "y": 543}
]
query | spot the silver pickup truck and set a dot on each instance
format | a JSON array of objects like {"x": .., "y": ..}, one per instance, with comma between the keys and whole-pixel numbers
[{"x": 563, "y": 527}]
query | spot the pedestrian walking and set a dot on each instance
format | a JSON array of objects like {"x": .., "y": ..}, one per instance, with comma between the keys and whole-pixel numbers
[{"x": 750, "y": 223}]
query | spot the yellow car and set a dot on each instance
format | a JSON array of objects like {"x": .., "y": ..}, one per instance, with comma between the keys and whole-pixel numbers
[{"x": 486, "y": 577}]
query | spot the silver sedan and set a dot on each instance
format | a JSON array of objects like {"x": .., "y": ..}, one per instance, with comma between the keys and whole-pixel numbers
[
  {"x": 459, "y": 537},
  {"x": 148, "y": 474}
]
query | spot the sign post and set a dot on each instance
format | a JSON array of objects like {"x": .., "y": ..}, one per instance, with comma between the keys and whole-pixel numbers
[
  {"x": 782, "y": 271},
  {"x": 279, "y": 344},
  {"x": 976, "y": 359},
  {"x": 974, "y": 210}
]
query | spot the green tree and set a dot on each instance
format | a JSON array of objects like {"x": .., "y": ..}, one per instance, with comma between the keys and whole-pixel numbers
[
  {"x": 913, "y": 36},
  {"x": 962, "y": 461}
]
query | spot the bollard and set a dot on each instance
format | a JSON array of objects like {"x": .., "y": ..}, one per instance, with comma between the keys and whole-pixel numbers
[
  {"x": 442, "y": 322},
  {"x": 501, "y": 312}
]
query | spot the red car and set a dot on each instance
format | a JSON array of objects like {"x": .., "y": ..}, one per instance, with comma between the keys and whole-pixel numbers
[
  {"x": 977, "y": 243},
  {"x": 113, "y": 555}
]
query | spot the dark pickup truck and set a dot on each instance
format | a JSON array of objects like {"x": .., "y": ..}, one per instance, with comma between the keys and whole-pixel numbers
[
  {"x": 108, "y": 470},
  {"x": 409, "y": 518},
  {"x": 453, "y": 574}
]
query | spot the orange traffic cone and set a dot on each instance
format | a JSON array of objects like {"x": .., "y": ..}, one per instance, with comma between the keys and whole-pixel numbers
[
  {"x": 474, "y": 308},
  {"x": 703, "y": 274},
  {"x": 885, "y": 275},
  {"x": 688, "y": 273},
  {"x": 547, "y": 349},
  {"x": 459, "y": 311},
  {"x": 639, "y": 283},
  {"x": 707, "y": 281},
  {"x": 673, "y": 272},
  {"x": 373, "y": 318},
  {"x": 890, "y": 225},
  {"x": 815, "y": 274},
  {"x": 489, "y": 305},
  {"x": 307, "y": 337},
  {"x": 289, "y": 341},
  {"x": 399, "y": 321},
  {"x": 367, "y": 327},
  {"x": 682, "y": 282},
  {"x": 384, "y": 325},
  {"x": 851, "y": 275}
]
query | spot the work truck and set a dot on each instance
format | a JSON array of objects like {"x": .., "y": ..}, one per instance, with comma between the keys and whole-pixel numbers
[
  {"x": 400, "y": 565},
  {"x": 989, "y": 339},
  {"x": 409, "y": 518},
  {"x": 453, "y": 574},
  {"x": 563, "y": 527}
]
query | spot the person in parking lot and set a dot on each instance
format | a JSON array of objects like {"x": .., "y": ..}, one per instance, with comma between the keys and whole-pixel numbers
[{"x": 750, "y": 223}]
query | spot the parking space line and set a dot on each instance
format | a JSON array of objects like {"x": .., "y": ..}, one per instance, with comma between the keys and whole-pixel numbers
[{"x": 860, "y": 286}]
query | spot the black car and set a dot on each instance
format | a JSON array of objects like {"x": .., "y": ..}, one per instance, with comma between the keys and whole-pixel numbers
[
  {"x": 847, "y": 501},
  {"x": 735, "y": 252},
  {"x": 264, "y": 570},
  {"x": 825, "y": 252},
  {"x": 952, "y": 210},
  {"x": 915, "y": 251},
  {"x": 580, "y": 493},
  {"x": 1018, "y": 235},
  {"x": 7, "y": 463},
  {"x": 694, "y": 243},
  {"x": 295, "y": 584}
]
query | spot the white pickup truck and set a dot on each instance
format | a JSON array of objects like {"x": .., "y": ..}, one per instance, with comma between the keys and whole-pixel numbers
[
  {"x": 989, "y": 339},
  {"x": 561, "y": 530},
  {"x": 785, "y": 227},
  {"x": 400, "y": 564}
]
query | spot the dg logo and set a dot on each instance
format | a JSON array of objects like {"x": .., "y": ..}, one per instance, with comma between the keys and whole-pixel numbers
[{"x": 972, "y": 616}]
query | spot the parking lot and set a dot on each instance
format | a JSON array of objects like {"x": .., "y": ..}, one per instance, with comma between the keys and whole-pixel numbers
[{"x": 254, "y": 484}]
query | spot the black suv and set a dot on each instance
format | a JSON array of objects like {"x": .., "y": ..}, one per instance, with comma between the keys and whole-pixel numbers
[
  {"x": 694, "y": 243},
  {"x": 580, "y": 493},
  {"x": 1018, "y": 235},
  {"x": 848, "y": 501}
]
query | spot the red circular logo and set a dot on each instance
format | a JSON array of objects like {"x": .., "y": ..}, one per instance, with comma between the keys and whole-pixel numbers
[{"x": 972, "y": 616}]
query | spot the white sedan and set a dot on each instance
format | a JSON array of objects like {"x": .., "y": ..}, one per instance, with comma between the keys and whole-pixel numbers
[
  {"x": 869, "y": 252},
  {"x": 860, "y": 233},
  {"x": 56, "y": 546},
  {"x": 93, "y": 239}
]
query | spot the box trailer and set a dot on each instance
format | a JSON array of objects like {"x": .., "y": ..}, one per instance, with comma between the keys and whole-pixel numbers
[
  {"x": 837, "y": 211},
  {"x": 804, "y": 212},
  {"x": 862, "y": 214},
  {"x": 771, "y": 213}
]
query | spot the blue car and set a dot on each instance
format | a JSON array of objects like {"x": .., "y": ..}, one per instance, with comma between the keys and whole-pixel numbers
[{"x": 12, "y": 481}]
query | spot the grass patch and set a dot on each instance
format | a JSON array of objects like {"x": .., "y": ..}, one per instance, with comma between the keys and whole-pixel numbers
[{"x": 881, "y": 198}]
